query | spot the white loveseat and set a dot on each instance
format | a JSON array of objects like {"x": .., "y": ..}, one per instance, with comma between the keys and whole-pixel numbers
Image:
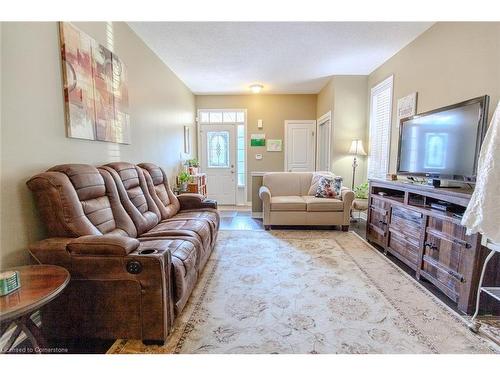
[{"x": 286, "y": 201}]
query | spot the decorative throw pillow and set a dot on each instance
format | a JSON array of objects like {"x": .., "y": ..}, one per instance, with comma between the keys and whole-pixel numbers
[
  {"x": 326, "y": 187},
  {"x": 315, "y": 180},
  {"x": 337, "y": 186}
]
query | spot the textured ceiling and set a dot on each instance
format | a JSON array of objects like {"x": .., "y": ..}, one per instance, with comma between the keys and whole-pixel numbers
[{"x": 286, "y": 57}]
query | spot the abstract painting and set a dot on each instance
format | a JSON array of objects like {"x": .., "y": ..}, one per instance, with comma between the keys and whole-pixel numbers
[{"x": 95, "y": 89}]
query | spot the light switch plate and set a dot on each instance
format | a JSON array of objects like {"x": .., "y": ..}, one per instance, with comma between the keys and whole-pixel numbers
[{"x": 259, "y": 124}]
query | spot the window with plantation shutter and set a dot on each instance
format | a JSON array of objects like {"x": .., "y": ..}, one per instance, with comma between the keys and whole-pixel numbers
[{"x": 380, "y": 128}]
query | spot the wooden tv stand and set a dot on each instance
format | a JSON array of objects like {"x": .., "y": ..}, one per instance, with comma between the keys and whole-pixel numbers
[{"x": 431, "y": 242}]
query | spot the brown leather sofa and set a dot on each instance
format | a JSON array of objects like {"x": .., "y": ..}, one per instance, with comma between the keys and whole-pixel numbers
[{"x": 134, "y": 250}]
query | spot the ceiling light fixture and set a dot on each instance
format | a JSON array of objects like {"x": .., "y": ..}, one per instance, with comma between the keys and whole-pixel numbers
[{"x": 256, "y": 88}]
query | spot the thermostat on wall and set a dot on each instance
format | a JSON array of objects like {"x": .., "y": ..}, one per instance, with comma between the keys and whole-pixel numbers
[{"x": 258, "y": 156}]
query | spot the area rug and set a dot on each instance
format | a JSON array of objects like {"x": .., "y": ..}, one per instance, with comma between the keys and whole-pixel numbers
[{"x": 310, "y": 292}]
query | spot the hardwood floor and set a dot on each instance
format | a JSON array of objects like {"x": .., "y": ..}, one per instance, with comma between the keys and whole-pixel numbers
[{"x": 239, "y": 219}]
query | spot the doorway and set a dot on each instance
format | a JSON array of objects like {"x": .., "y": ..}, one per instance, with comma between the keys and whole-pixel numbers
[
  {"x": 218, "y": 148},
  {"x": 222, "y": 153},
  {"x": 300, "y": 145},
  {"x": 323, "y": 142}
]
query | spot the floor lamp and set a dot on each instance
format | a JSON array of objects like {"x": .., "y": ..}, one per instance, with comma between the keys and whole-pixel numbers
[{"x": 356, "y": 149}]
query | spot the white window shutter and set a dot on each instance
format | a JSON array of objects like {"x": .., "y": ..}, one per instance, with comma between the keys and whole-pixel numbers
[{"x": 380, "y": 129}]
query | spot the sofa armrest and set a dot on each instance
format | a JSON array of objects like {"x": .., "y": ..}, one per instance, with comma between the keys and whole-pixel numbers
[
  {"x": 106, "y": 245},
  {"x": 265, "y": 196},
  {"x": 265, "y": 193},
  {"x": 192, "y": 201},
  {"x": 347, "y": 196}
]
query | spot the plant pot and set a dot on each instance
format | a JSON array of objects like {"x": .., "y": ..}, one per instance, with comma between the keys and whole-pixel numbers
[{"x": 193, "y": 170}]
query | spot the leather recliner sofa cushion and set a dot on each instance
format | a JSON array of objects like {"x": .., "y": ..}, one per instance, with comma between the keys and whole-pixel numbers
[
  {"x": 169, "y": 205},
  {"x": 184, "y": 261}
]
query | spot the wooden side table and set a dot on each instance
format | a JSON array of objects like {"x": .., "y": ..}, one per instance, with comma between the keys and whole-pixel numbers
[
  {"x": 358, "y": 205},
  {"x": 40, "y": 284},
  {"x": 198, "y": 185}
]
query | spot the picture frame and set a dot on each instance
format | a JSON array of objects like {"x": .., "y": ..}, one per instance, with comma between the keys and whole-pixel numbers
[
  {"x": 274, "y": 145},
  {"x": 95, "y": 88},
  {"x": 407, "y": 106},
  {"x": 187, "y": 139}
]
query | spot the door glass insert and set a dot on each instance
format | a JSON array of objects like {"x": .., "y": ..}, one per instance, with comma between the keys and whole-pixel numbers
[{"x": 218, "y": 149}]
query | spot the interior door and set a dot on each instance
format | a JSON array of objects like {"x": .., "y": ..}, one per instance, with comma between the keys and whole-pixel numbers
[
  {"x": 300, "y": 146},
  {"x": 218, "y": 148}
]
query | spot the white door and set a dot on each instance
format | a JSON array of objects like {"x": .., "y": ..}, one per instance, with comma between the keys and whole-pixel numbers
[
  {"x": 300, "y": 145},
  {"x": 218, "y": 148}
]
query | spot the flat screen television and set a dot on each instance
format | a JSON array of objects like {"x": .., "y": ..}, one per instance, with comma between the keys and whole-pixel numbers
[{"x": 443, "y": 144}]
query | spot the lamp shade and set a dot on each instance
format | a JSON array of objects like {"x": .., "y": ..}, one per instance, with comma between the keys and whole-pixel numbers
[{"x": 357, "y": 147}]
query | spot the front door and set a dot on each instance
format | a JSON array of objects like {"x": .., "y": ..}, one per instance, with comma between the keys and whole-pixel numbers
[
  {"x": 218, "y": 148},
  {"x": 300, "y": 145}
]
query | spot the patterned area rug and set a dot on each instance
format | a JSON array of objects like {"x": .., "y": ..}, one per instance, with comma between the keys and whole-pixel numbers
[{"x": 310, "y": 292}]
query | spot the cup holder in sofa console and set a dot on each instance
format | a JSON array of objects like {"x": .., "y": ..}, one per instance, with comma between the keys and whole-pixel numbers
[{"x": 148, "y": 251}]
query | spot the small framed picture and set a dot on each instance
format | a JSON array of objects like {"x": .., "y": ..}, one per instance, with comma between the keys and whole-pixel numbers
[
  {"x": 407, "y": 106},
  {"x": 274, "y": 145}
]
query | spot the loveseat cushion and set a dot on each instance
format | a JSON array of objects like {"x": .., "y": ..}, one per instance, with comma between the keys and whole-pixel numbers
[
  {"x": 288, "y": 203},
  {"x": 287, "y": 183},
  {"x": 315, "y": 204}
]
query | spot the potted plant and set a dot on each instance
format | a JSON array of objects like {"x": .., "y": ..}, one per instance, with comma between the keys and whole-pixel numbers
[
  {"x": 184, "y": 178},
  {"x": 361, "y": 191},
  {"x": 193, "y": 166},
  {"x": 360, "y": 202}
]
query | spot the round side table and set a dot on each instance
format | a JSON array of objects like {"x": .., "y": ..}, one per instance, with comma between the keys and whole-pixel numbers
[{"x": 40, "y": 284}]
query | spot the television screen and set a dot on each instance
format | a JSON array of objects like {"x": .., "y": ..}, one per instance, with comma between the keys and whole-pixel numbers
[{"x": 443, "y": 143}]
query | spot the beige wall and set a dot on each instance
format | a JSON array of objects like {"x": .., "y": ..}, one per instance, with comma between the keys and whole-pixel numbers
[
  {"x": 325, "y": 99},
  {"x": 33, "y": 129},
  {"x": 273, "y": 110},
  {"x": 449, "y": 63},
  {"x": 345, "y": 97}
]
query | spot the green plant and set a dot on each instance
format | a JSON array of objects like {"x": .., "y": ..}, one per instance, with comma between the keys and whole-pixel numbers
[
  {"x": 361, "y": 191},
  {"x": 184, "y": 177},
  {"x": 193, "y": 163}
]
